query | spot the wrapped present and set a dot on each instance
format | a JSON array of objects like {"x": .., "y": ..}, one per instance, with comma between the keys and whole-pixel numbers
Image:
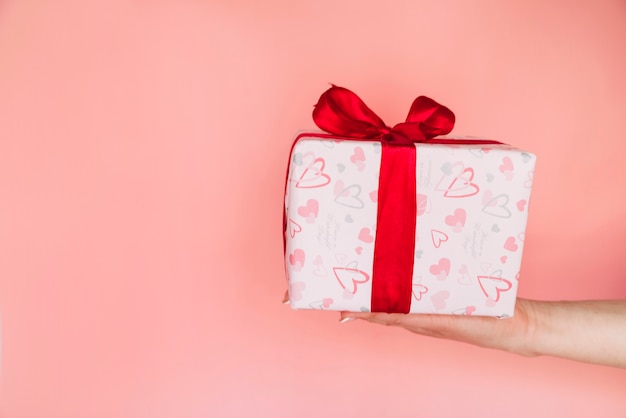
[{"x": 399, "y": 220}]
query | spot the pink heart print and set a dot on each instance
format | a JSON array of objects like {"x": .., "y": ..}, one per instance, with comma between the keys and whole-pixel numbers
[
  {"x": 357, "y": 155},
  {"x": 358, "y": 158},
  {"x": 506, "y": 168},
  {"x": 422, "y": 204},
  {"x": 439, "y": 299},
  {"x": 462, "y": 185},
  {"x": 374, "y": 196},
  {"x": 327, "y": 302},
  {"x": 349, "y": 278},
  {"x": 464, "y": 278},
  {"x": 493, "y": 286},
  {"x": 309, "y": 211},
  {"x": 295, "y": 290},
  {"x": 296, "y": 259},
  {"x": 313, "y": 176},
  {"x": 441, "y": 269},
  {"x": 488, "y": 198},
  {"x": 366, "y": 236},
  {"x": 320, "y": 271},
  {"x": 510, "y": 244},
  {"x": 340, "y": 189},
  {"x": 521, "y": 204},
  {"x": 457, "y": 220}
]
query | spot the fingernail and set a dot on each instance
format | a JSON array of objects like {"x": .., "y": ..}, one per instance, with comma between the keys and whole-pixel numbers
[
  {"x": 346, "y": 319},
  {"x": 286, "y": 302}
]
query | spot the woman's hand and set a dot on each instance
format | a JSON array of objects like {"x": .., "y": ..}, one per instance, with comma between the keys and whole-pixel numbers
[
  {"x": 588, "y": 331},
  {"x": 510, "y": 334}
]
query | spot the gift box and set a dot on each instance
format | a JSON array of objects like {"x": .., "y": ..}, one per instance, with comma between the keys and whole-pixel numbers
[{"x": 399, "y": 220}]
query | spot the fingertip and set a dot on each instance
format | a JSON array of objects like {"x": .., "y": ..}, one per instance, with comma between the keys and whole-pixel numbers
[{"x": 354, "y": 315}]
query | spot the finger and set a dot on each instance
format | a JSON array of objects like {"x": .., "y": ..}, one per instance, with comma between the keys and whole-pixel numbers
[
  {"x": 377, "y": 318},
  {"x": 353, "y": 315}
]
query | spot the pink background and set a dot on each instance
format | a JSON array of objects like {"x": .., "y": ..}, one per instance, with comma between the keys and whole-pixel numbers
[{"x": 142, "y": 155}]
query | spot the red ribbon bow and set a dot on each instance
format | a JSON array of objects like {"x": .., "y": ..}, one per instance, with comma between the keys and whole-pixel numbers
[{"x": 341, "y": 112}]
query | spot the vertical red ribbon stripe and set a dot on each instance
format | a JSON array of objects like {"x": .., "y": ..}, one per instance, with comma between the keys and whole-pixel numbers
[{"x": 392, "y": 277}]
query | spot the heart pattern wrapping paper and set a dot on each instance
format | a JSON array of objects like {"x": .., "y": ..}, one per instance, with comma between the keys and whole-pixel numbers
[{"x": 472, "y": 206}]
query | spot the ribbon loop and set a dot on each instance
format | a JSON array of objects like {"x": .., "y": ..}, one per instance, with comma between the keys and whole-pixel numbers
[{"x": 341, "y": 112}]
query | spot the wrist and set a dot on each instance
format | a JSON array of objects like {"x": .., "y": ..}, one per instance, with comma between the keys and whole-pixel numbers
[{"x": 526, "y": 336}]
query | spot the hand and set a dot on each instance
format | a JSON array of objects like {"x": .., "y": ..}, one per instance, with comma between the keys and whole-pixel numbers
[
  {"x": 589, "y": 331},
  {"x": 509, "y": 334}
]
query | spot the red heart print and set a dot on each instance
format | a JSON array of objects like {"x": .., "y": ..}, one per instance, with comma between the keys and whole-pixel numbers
[
  {"x": 366, "y": 236},
  {"x": 313, "y": 176},
  {"x": 419, "y": 290},
  {"x": 294, "y": 228},
  {"x": 493, "y": 286},
  {"x": 510, "y": 244},
  {"x": 462, "y": 185},
  {"x": 450, "y": 171},
  {"x": 349, "y": 278},
  {"x": 438, "y": 237}
]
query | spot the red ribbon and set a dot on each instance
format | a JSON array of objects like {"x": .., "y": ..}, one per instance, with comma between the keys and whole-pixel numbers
[{"x": 342, "y": 113}]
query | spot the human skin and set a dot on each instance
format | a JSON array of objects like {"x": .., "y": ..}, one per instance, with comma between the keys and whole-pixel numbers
[{"x": 587, "y": 331}]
